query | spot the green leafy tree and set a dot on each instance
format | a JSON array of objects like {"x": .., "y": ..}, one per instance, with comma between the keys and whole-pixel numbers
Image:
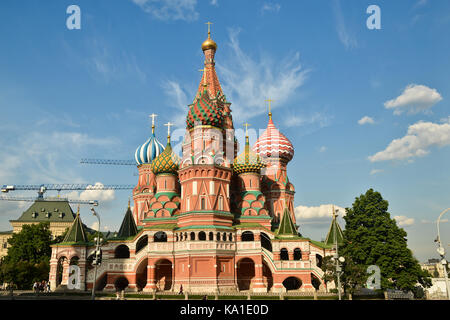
[
  {"x": 373, "y": 238},
  {"x": 28, "y": 258}
]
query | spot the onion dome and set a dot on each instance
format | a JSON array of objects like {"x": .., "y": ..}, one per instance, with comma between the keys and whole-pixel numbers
[
  {"x": 248, "y": 161},
  {"x": 205, "y": 111},
  {"x": 272, "y": 143},
  {"x": 167, "y": 161},
  {"x": 149, "y": 150}
]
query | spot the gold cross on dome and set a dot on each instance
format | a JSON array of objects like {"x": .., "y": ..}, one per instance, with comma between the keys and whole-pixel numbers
[
  {"x": 168, "y": 124},
  {"x": 269, "y": 101},
  {"x": 153, "y": 116},
  {"x": 209, "y": 27},
  {"x": 246, "y": 128}
]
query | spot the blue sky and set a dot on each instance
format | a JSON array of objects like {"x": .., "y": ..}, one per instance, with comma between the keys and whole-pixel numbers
[{"x": 363, "y": 108}]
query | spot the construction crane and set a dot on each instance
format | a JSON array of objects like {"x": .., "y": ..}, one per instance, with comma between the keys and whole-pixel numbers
[
  {"x": 41, "y": 189},
  {"x": 108, "y": 161},
  {"x": 31, "y": 199}
]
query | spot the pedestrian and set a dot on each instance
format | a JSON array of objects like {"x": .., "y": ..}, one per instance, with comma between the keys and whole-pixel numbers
[
  {"x": 48, "y": 286},
  {"x": 35, "y": 287},
  {"x": 205, "y": 297},
  {"x": 181, "y": 289}
]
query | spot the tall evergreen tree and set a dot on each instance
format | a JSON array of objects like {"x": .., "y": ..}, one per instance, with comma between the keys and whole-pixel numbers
[{"x": 373, "y": 238}]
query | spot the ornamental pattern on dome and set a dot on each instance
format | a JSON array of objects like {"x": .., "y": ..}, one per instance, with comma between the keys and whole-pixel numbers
[
  {"x": 247, "y": 161},
  {"x": 148, "y": 151},
  {"x": 205, "y": 111},
  {"x": 166, "y": 162},
  {"x": 272, "y": 143}
]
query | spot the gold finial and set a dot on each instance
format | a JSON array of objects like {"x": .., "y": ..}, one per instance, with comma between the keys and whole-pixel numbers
[
  {"x": 270, "y": 111},
  {"x": 209, "y": 29},
  {"x": 153, "y": 116},
  {"x": 168, "y": 124},
  {"x": 78, "y": 211},
  {"x": 246, "y": 132}
]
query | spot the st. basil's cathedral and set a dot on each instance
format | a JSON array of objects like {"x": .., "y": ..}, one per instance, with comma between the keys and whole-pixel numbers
[{"x": 210, "y": 221}]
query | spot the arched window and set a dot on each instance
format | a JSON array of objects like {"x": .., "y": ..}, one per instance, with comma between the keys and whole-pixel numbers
[
  {"x": 224, "y": 237},
  {"x": 142, "y": 243},
  {"x": 211, "y": 236},
  {"x": 284, "y": 255},
  {"x": 165, "y": 184},
  {"x": 192, "y": 235},
  {"x": 218, "y": 236},
  {"x": 318, "y": 260},
  {"x": 203, "y": 203},
  {"x": 202, "y": 235},
  {"x": 266, "y": 243},
  {"x": 247, "y": 236},
  {"x": 122, "y": 252},
  {"x": 250, "y": 183},
  {"x": 188, "y": 204},
  {"x": 160, "y": 236},
  {"x": 230, "y": 237},
  {"x": 220, "y": 203},
  {"x": 297, "y": 254}
]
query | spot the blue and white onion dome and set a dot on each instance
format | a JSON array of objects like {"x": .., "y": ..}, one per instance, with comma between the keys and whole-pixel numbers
[{"x": 149, "y": 150}]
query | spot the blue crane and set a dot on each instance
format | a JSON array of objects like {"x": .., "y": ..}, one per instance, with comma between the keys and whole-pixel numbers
[
  {"x": 9, "y": 198},
  {"x": 42, "y": 188},
  {"x": 108, "y": 161}
]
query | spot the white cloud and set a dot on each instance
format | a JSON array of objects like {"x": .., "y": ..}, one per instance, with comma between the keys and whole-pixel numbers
[
  {"x": 322, "y": 149},
  {"x": 404, "y": 221},
  {"x": 346, "y": 38},
  {"x": 323, "y": 211},
  {"x": 247, "y": 83},
  {"x": 215, "y": 2},
  {"x": 420, "y": 137},
  {"x": 102, "y": 195},
  {"x": 414, "y": 99},
  {"x": 170, "y": 9},
  {"x": 270, "y": 7},
  {"x": 296, "y": 120},
  {"x": 375, "y": 171},
  {"x": 366, "y": 120}
]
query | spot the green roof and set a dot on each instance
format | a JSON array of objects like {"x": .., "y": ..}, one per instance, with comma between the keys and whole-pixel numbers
[
  {"x": 128, "y": 227},
  {"x": 287, "y": 227},
  {"x": 334, "y": 233},
  {"x": 43, "y": 210},
  {"x": 76, "y": 233}
]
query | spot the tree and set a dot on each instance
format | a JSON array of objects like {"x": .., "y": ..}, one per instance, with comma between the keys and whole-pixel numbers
[
  {"x": 28, "y": 258},
  {"x": 373, "y": 238}
]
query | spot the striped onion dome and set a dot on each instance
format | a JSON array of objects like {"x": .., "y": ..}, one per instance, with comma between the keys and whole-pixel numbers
[
  {"x": 205, "y": 111},
  {"x": 247, "y": 161},
  {"x": 166, "y": 162},
  {"x": 272, "y": 143},
  {"x": 149, "y": 150}
]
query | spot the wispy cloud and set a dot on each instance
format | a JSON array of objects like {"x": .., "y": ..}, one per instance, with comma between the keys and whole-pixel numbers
[
  {"x": 375, "y": 171},
  {"x": 346, "y": 38},
  {"x": 270, "y": 7},
  {"x": 322, "y": 212},
  {"x": 171, "y": 9},
  {"x": 248, "y": 83}
]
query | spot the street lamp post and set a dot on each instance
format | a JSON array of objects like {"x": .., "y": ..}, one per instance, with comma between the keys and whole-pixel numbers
[
  {"x": 96, "y": 252},
  {"x": 441, "y": 252},
  {"x": 337, "y": 259}
]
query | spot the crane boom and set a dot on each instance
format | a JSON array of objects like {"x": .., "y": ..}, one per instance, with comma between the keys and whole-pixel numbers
[
  {"x": 9, "y": 198},
  {"x": 108, "y": 161}
]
